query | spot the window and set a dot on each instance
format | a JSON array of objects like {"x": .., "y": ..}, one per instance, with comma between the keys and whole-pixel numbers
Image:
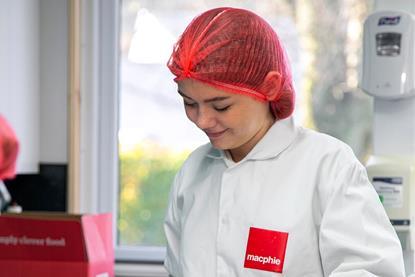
[
  {"x": 154, "y": 135},
  {"x": 143, "y": 115}
]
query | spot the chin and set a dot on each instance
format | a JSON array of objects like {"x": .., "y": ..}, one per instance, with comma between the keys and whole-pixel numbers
[{"x": 219, "y": 145}]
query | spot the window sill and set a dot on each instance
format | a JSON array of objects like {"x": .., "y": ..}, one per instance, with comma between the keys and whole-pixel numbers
[{"x": 139, "y": 270}]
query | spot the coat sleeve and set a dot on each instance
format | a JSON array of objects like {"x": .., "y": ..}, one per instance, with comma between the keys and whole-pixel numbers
[
  {"x": 172, "y": 232},
  {"x": 356, "y": 237}
]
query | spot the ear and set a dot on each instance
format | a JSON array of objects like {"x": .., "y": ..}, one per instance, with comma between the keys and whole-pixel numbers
[{"x": 272, "y": 85}]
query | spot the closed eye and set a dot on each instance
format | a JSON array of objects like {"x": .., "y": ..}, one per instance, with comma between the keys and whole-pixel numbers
[
  {"x": 189, "y": 104},
  {"x": 222, "y": 109}
]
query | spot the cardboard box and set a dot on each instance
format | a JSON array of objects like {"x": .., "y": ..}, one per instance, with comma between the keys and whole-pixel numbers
[{"x": 58, "y": 245}]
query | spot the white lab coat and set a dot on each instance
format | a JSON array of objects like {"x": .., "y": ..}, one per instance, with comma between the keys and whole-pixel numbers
[{"x": 295, "y": 180}]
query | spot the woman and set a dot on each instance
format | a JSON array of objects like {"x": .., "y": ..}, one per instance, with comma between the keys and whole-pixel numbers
[{"x": 264, "y": 197}]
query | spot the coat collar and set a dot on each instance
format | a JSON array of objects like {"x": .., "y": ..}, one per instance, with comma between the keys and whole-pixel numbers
[{"x": 276, "y": 140}]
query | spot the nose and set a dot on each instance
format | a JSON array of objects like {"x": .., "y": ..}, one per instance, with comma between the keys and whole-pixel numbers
[{"x": 204, "y": 119}]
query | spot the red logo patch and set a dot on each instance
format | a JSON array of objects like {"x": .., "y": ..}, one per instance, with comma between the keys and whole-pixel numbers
[{"x": 265, "y": 249}]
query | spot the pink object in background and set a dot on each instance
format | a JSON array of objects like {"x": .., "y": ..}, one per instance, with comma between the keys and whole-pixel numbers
[{"x": 9, "y": 148}]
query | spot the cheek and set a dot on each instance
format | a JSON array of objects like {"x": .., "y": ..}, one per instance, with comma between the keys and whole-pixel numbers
[
  {"x": 244, "y": 125},
  {"x": 190, "y": 113},
  {"x": 237, "y": 118}
]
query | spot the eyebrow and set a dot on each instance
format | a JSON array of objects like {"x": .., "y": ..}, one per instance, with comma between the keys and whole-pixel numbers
[{"x": 219, "y": 98}]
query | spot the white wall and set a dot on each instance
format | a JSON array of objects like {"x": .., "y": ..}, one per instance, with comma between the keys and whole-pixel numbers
[
  {"x": 405, "y": 5},
  {"x": 53, "y": 81},
  {"x": 408, "y": 6},
  {"x": 33, "y": 78},
  {"x": 19, "y": 76}
]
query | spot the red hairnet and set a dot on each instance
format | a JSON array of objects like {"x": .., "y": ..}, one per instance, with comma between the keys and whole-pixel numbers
[
  {"x": 234, "y": 50},
  {"x": 9, "y": 147}
]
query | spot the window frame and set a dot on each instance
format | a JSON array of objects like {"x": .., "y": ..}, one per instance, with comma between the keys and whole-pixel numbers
[{"x": 100, "y": 55}]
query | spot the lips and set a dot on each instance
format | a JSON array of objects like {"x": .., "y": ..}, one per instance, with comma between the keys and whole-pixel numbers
[{"x": 214, "y": 135}]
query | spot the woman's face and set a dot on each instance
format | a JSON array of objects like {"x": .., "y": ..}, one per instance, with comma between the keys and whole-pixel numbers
[{"x": 232, "y": 122}]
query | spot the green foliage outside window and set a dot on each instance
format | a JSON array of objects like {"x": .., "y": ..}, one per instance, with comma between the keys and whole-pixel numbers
[{"x": 146, "y": 174}]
